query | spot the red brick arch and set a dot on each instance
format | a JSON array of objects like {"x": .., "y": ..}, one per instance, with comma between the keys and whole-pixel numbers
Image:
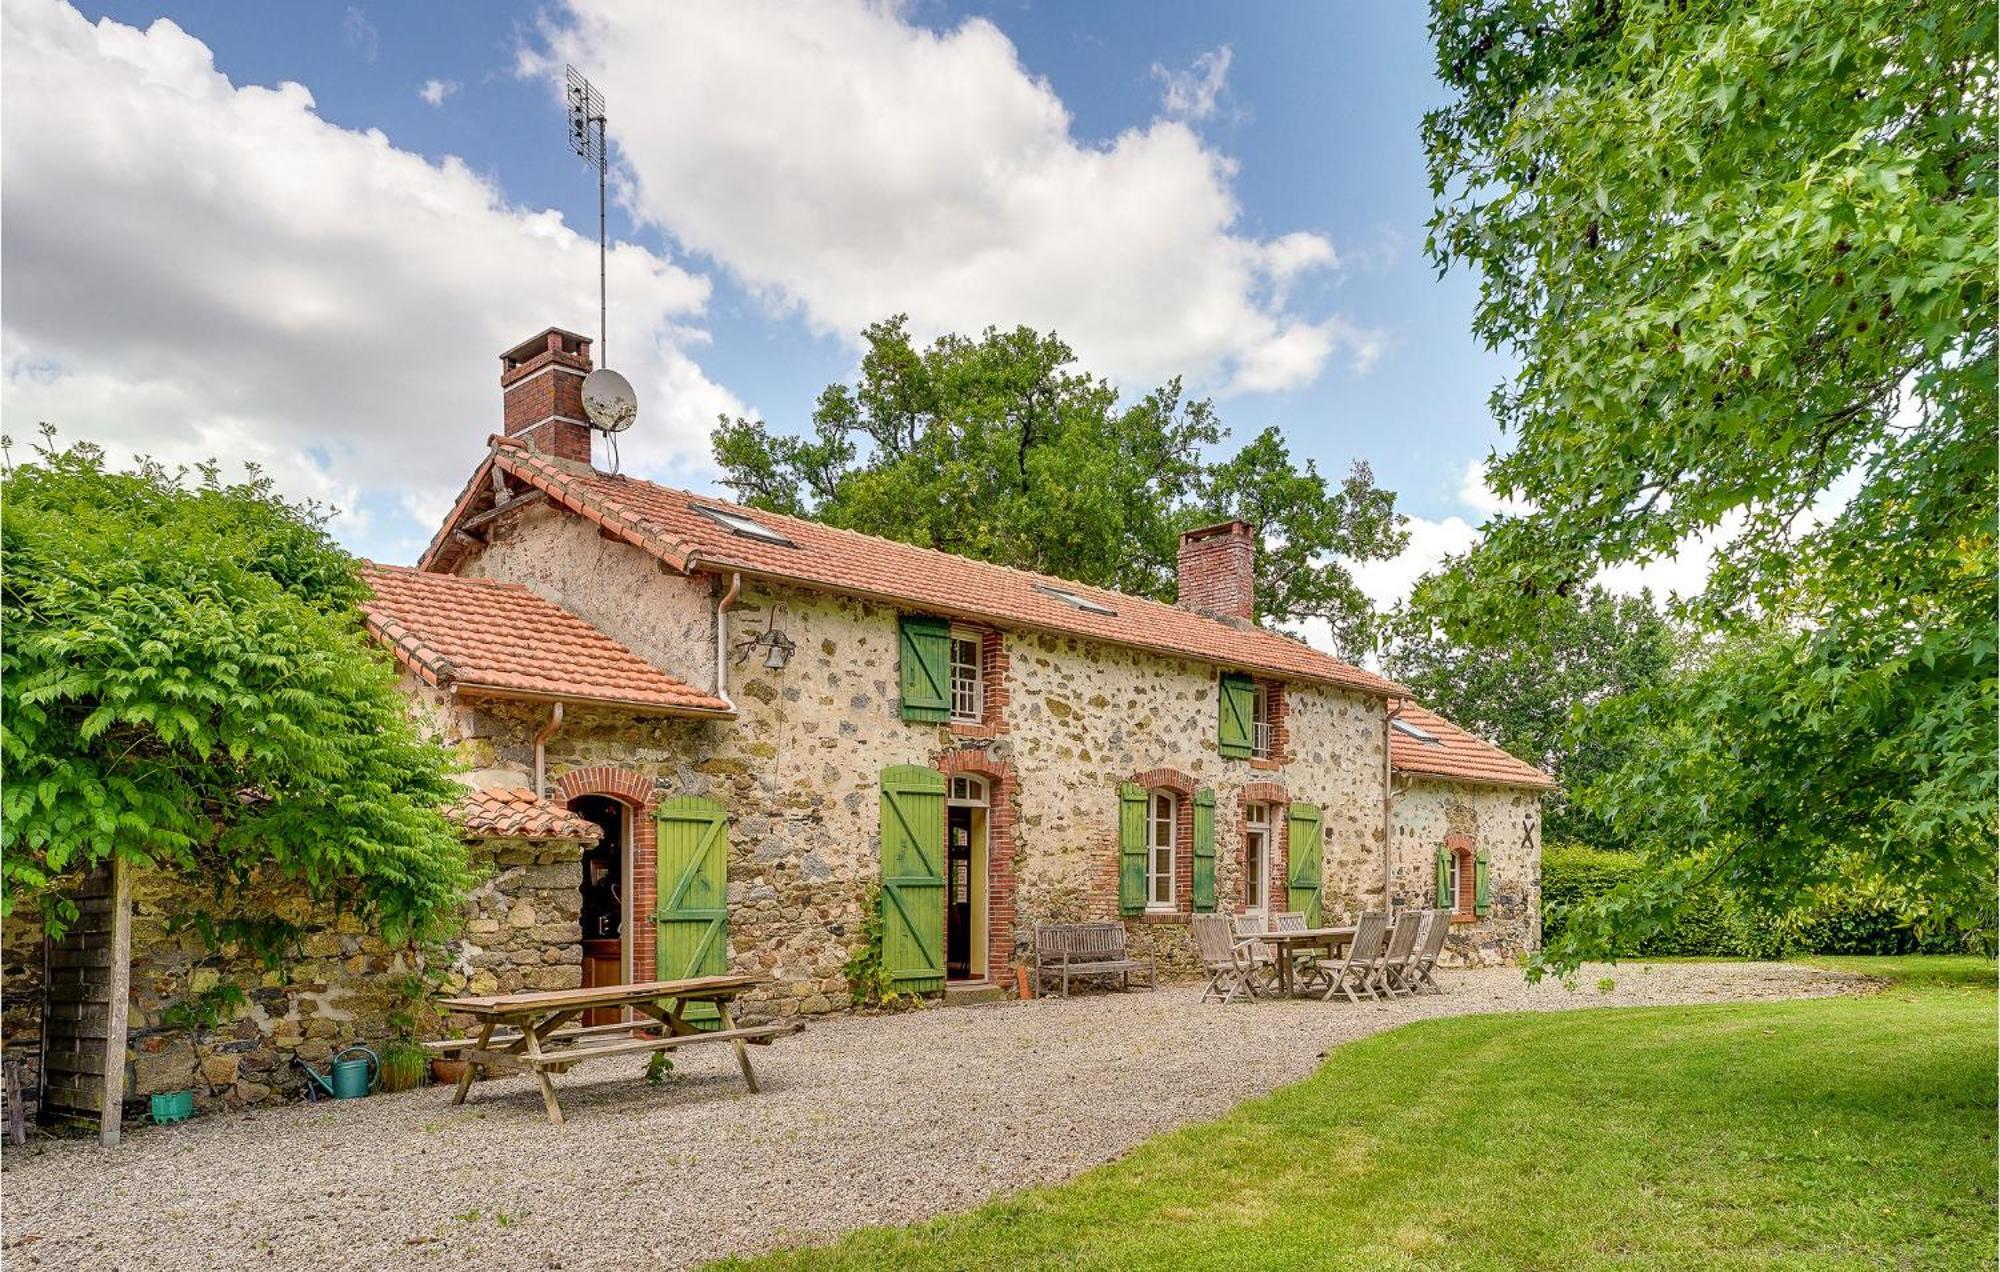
[
  {"x": 637, "y": 792},
  {"x": 1003, "y": 811}
]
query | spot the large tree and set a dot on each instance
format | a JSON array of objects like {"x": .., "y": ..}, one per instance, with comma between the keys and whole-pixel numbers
[
  {"x": 1743, "y": 253},
  {"x": 1001, "y": 448},
  {"x": 186, "y": 686},
  {"x": 1534, "y": 695}
]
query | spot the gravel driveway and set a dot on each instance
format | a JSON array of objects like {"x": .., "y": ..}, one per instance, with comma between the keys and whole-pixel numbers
[{"x": 861, "y": 1121}]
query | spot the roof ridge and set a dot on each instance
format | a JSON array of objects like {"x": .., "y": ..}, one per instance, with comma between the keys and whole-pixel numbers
[{"x": 419, "y": 572}]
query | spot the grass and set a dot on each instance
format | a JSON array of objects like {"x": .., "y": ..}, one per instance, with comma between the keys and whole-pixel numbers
[{"x": 1826, "y": 1133}]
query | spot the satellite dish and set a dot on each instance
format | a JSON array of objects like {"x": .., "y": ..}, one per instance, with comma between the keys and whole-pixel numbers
[{"x": 609, "y": 401}]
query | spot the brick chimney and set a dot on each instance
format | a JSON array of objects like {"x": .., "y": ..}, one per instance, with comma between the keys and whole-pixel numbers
[
  {"x": 1218, "y": 571},
  {"x": 541, "y": 393}
]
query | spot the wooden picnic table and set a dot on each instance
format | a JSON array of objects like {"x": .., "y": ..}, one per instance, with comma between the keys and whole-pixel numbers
[
  {"x": 1293, "y": 940},
  {"x": 540, "y": 1036}
]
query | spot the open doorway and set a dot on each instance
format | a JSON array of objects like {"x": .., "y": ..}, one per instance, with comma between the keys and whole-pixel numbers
[
  {"x": 965, "y": 892},
  {"x": 604, "y": 886}
]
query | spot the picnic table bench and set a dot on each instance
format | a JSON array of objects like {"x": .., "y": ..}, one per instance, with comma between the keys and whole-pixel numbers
[
  {"x": 534, "y": 1030},
  {"x": 1065, "y": 950}
]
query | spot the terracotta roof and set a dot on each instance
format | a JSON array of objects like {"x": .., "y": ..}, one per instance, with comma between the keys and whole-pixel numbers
[
  {"x": 671, "y": 525},
  {"x": 501, "y": 640},
  {"x": 515, "y": 812},
  {"x": 1451, "y": 752}
]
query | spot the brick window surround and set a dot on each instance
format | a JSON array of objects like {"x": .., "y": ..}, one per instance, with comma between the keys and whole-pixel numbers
[
  {"x": 1003, "y": 811},
  {"x": 1464, "y": 906},
  {"x": 1273, "y": 693},
  {"x": 1183, "y": 787},
  {"x": 1279, "y": 853},
  {"x": 640, "y": 798},
  {"x": 993, "y": 681}
]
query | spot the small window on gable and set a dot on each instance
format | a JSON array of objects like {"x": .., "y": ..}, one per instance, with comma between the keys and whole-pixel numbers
[
  {"x": 737, "y": 523},
  {"x": 968, "y": 679},
  {"x": 1076, "y": 599}
]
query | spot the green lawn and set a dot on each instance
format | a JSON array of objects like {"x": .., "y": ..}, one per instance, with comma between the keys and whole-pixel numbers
[{"x": 1829, "y": 1133}]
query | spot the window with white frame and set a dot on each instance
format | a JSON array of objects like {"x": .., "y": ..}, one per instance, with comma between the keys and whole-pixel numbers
[
  {"x": 968, "y": 681},
  {"x": 1256, "y": 855},
  {"x": 1455, "y": 876},
  {"x": 1161, "y": 815},
  {"x": 1262, "y": 734}
]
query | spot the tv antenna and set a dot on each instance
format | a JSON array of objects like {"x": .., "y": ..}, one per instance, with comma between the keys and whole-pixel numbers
[{"x": 586, "y": 137}]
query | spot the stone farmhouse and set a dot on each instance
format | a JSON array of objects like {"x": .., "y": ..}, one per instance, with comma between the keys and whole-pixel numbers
[
  {"x": 773, "y": 722},
  {"x": 699, "y": 736}
]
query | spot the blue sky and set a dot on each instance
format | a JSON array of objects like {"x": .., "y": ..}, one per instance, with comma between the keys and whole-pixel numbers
[{"x": 1303, "y": 117}]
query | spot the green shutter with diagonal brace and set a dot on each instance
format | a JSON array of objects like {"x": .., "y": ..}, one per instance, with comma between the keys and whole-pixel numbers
[
  {"x": 1482, "y": 898},
  {"x": 1236, "y": 733},
  {"x": 1204, "y": 851},
  {"x": 1445, "y": 900},
  {"x": 1302, "y": 845},
  {"x": 924, "y": 668},
  {"x": 913, "y": 878},
  {"x": 1131, "y": 848},
  {"x": 691, "y": 936}
]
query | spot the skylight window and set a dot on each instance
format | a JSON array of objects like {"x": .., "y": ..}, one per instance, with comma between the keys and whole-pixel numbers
[
  {"x": 1424, "y": 736},
  {"x": 1083, "y": 603},
  {"x": 737, "y": 523}
]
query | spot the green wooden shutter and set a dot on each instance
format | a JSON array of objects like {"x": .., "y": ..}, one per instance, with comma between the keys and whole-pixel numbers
[
  {"x": 1482, "y": 898},
  {"x": 1302, "y": 845},
  {"x": 913, "y": 877},
  {"x": 1236, "y": 733},
  {"x": 1131, "y": 848},
  {"x": 1445, "y": 899},
  {"x": 691, "y": 935},
  {"x": 925, "y": 669},
  {"x": 1204, "y": 851}
]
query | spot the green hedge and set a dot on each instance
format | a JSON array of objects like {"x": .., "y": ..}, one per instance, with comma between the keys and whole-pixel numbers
[{"x": 1709, "y": 925}]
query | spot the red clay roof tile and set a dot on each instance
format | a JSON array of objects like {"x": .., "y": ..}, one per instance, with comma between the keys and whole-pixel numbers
[
  {"x": 669, "y": 524},
  {"x": 515, "y": 812},
  {"x": 501, "y": 640},
  {"x": 1456, "y": 754}
]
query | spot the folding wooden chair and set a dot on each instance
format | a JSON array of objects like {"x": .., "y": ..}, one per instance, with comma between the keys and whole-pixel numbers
[
  {"x": 1230, "y": 970},
  {"x": 1428, "y": 951},
  {"x": 1401, "y": 948},
  {"x": 1356, "y": 970}
]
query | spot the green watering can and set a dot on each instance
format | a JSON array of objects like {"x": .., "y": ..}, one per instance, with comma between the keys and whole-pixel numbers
[{"x": 351, "y": 1079}]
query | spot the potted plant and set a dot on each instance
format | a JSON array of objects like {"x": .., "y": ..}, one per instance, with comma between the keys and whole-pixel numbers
[
  {"x": 402, "y": 1057},
  {"x": 193, "y": 1014}
]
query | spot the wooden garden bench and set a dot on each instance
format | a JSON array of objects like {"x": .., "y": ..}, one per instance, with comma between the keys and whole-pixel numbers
[{"x": 1065, "y": 950}]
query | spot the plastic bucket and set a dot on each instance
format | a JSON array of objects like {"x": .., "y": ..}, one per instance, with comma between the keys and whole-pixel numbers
[{"x": 174, "y": 1106}]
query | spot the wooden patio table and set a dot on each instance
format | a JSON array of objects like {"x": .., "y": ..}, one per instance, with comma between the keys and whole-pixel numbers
[
  {"x": 1292, "y": 941},
  {"x": 542, "y": 1038}
]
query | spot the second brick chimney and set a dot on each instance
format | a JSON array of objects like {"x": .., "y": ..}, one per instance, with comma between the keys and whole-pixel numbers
[
  {"x": 541, "y": 393},
  {"x": 1218, "y": 571}
]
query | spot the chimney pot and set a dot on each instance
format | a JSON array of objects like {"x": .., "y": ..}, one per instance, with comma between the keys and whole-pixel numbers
[
  {"x": 541, "y": 393},
  {"x": 1218, "y": 571}
]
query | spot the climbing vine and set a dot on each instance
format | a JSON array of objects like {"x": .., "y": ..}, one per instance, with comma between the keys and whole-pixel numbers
[{"x": 867, "y": 969}]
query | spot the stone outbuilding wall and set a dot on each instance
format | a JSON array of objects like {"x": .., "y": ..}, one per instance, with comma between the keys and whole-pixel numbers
[
  {"x": 1503, "y": 821},
  {"x": 331, "y": 986}
]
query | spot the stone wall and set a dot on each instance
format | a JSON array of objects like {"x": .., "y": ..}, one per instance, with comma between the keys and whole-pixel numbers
[
  {"x": 330, "y": 988},
  {"x": 1504, "y": 821},
  {"x": 800, "y": 769}
]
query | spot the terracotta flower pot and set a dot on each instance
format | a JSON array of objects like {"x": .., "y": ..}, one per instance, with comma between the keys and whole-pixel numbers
[
  {"x": 1024, "y": 984},
  {"x": 447, "y": 1071}
]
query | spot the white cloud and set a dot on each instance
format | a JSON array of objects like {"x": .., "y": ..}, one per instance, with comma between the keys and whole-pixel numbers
[
  {"x": 1476, "y": 494},
  {"x": 361, "y": 33},
  {"x": 435, "y": 91},
  {"x": 846, "y": 164},
  {"x": 1192, "y": 93},
  {"x": 1388, "y": 583},
  {"x": 197, "y": 269}
]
